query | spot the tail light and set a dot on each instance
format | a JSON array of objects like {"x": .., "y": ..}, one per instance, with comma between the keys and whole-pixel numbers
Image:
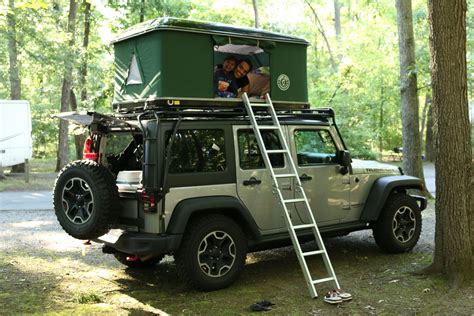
[
  {"x": 148, "y": 199},
  {"x": 88, "y": 152}
]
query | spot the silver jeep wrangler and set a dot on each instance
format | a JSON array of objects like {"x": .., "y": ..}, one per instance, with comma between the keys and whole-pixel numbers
[{"x": 193, "y": 184}]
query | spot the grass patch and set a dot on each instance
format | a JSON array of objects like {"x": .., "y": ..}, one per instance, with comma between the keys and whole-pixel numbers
[
  {"x": 42, "y": 176},
  {"x": 36, "y": 281},
  {"x": 89, "y": 298}
]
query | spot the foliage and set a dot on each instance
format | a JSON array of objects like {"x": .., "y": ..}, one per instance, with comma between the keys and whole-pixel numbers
[{"x": 364, "y": 91}]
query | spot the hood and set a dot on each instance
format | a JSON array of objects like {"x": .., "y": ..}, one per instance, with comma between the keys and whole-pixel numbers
[{"x": 373, "y": 167}]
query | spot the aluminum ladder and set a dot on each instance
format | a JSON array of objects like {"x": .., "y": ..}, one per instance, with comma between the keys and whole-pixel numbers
[{"x": 300, "y": 196}]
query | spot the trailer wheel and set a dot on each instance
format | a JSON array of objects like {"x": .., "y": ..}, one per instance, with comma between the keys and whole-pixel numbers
[{"x": 85, "y": 199}]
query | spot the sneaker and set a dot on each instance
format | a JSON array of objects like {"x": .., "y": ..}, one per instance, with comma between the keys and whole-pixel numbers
[
  {"x": 332, "y": 298},
  {"x": 344, "y": 295}
]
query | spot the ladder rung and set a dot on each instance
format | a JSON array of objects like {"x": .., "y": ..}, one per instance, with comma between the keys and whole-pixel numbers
[
  {"x": 259, "y": 105},
  {"x": 322, "y": 280},
  {"x": 268, "y": 127},
  {"x": 285, "y": 175},
  {"x": 303, "y": 226},
  {"x": 276, "y": 151},
  {"x": 294, "y": 200},
  {"x": 313, "y": 253}
]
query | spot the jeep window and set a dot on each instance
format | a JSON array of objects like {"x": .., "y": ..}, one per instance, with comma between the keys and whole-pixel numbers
[
  {"x": 249, "y": 153},
  {"x": 314, "y": 147},
  {"x": 197, "y": 150},
  {"x": 124, "y": 151}
]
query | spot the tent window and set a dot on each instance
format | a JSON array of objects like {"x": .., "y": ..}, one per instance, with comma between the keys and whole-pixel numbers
[
  {"x": 134, "y": 76},
  {"x": 228, "y": 84}
]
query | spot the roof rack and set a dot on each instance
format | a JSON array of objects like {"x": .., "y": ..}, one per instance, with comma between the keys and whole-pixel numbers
[{"x": 225, "y": 112}]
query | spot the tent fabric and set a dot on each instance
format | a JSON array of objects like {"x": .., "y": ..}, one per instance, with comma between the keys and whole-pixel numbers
[{"x": 225, "y": 30}]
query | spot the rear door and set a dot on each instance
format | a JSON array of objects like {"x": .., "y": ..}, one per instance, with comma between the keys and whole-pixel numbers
[{"x": 254, "y": 183}]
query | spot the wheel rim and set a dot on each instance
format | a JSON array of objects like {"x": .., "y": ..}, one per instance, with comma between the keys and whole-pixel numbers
[
  {"x": 404, "y": 224},
  {"x": 216, "y": 254},
  {"x": 78, "y": 201}
]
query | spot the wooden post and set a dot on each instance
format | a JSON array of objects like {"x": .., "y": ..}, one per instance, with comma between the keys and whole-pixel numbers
[
  {"x": 27, "y": 170},
  {"x": 2, "y": 175}
]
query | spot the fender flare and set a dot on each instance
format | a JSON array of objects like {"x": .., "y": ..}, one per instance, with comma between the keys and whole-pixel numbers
[
  {"x": 226, "y": 205},
  {"x": 381, "y": 190}
]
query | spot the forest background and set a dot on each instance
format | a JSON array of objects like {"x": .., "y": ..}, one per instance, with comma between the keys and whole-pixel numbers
[{"x": 353, "y": 59}]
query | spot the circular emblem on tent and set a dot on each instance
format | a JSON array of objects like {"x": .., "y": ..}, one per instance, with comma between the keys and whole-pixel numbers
[{"x": 283, "y": 82}]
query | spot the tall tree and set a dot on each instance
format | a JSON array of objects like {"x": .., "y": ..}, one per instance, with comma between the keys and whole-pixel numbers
[
  {"x": 255, "y": 10},
  {"x": 63, "y": 148},
  {"x": 408, "y": 90},
  {"x": 454, "y": 237},
  {"x": 337, "y": 27},
  {"x": 15, "y": 83},
  {"x": 323, "y": 33}
]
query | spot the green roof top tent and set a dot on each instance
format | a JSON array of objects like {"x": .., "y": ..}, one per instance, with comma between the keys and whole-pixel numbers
[{"x": 172, "y": 61}]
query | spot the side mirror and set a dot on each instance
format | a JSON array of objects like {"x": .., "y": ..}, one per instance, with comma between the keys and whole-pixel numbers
[{"x": 344, "y": 159}]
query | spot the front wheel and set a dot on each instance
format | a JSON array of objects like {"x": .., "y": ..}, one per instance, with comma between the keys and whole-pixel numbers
[
  {"x": 212, "y": 254},
  {"x": 399, "y": 225}
]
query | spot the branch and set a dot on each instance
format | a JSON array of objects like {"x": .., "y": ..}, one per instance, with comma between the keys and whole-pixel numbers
[{"x": 321, "y": 30}]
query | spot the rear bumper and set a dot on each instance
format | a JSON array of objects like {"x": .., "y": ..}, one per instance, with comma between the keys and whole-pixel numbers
[{"x": 142, "y": 244}]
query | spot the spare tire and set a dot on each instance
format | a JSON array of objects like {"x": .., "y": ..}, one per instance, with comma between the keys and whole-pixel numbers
[{"x": 86, "y": 199}]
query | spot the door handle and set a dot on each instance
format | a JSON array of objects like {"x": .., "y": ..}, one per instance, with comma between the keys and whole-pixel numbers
[
  {"x": 252, "y": 181},
  {"x": 305, "y": 177}
]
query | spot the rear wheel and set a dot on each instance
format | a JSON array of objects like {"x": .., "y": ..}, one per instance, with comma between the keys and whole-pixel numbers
[
  {"x": 399, "y": 226},
  {"x": 212, "y": 254},
  {"x": 85, "y": 199}
]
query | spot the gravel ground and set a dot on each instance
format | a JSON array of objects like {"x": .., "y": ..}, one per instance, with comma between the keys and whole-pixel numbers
[{"x": 40, "y": 230}]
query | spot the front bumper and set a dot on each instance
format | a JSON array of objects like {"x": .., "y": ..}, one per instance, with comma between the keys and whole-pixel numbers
[
  {"x": 142, "y": 244},
  {"x": 421, "y": 200}
]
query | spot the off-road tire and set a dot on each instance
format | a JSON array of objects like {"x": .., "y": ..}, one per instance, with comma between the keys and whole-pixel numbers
[
  {"x": 217, "y": 242},
  {"x": 150, "y": 263},
  {"x": 85, "y": 199},
  {"x": 399, "y": 225}
]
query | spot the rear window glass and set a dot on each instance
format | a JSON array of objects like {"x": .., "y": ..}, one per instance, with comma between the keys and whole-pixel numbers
[{"x": 197, "y": 150}]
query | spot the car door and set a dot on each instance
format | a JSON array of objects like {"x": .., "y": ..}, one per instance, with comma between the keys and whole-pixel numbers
[
  {"x": 314, "y": 151},
  {"x": 254, "y": 183}
]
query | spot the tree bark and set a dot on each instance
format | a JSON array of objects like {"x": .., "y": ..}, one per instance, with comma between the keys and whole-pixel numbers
[
  {"x": 63, "y": 151},
  {"x": 408, "y": 90},
  {"x": 454, "y": 236},
  {"x": 255, "y": 10},
  {"x": 15, "y": 83},
  {"x": 430, "y": 142},
  {"x": 424, "y": 115}
]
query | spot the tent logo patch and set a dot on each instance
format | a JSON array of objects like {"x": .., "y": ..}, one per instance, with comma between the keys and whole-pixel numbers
[{"x": 283, "y": 82}]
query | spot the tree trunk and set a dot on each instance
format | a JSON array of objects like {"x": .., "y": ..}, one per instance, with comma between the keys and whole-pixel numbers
[
  {"x": 66, "y": 88},
  {"x": 142, "y": 11},
  {"x": 85, "y": 55},
  {"x": 15, "y": 83},
  {"x": 408, "y": 90},
  {"x": 321, "y": 30},
  {"x": 424, "y": 115},
  {"x": 337, "y": 26},
  {"x": 454, "y": 236},
  {"x": 429, "y": 140},
  {"x": 255, "y": 10},
  {"x": 78, "y": 139}
]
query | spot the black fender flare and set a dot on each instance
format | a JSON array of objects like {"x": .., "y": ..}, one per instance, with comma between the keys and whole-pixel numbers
[
  {"x": 382, "y": 188},
  {"x": 226, "y": 205}
]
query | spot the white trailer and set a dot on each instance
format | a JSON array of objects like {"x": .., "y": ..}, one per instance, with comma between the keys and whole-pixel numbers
[{"x": 15, "y": 132}]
